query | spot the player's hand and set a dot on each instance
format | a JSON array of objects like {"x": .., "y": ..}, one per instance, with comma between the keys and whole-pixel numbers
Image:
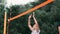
[
  {"x": 33, "y": 14},
  {"x": 30, "y": 16}
]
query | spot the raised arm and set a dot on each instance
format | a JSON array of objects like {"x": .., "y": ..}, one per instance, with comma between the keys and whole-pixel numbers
[
  {"x": 34, "y": 18},
  {"x": 29, "y": 25},
  {"x": 59, "y": 29}
]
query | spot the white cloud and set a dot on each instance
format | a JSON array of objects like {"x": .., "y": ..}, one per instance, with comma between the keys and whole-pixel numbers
[{"x": 18, "y": 2}]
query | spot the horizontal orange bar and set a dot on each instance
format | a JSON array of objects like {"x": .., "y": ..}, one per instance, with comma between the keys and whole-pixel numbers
[{"x": 31, "y": 10}]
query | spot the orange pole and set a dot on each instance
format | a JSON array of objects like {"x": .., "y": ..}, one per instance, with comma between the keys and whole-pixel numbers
[
  {"x": 31, "y": 10},
  {"x": 5, "y": 23}
]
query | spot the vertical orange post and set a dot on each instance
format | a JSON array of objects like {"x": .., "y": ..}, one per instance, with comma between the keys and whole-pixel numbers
[{"x": 5, "y": 23}]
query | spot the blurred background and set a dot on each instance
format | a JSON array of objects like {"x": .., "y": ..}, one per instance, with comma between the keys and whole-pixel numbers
[{"x": 48, "y": 17}]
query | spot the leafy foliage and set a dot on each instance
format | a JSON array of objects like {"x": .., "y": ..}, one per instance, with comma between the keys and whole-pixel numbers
[{"x": 48, "y": 18}]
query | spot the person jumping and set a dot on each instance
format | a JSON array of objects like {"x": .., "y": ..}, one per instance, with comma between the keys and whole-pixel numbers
[{"x": 35, "y": 28}]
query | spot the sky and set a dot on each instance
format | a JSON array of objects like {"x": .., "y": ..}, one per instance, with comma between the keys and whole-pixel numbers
[{"x": 18, "y": 2}]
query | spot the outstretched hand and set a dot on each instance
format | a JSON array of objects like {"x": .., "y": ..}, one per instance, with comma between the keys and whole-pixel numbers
[
  {"x": 30, "y": 16},
  {"x": 33, "y": 14}
]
